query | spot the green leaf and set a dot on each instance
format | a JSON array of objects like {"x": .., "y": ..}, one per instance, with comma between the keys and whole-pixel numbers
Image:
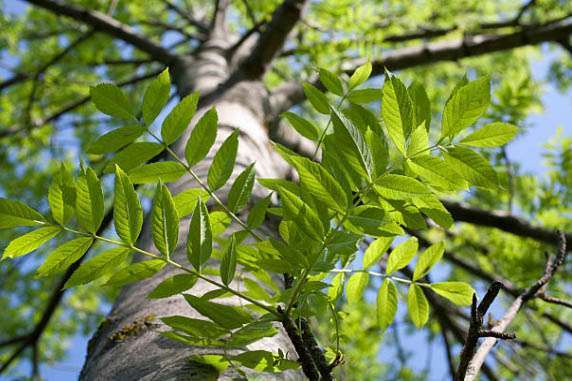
[
  {"x": 173, "y": 285},
  {"x": 127, "y": 211},
  {"x": 360, "y": 75},
  {"x": 186, "y": 200},
  {"x": 317, "y": 99},
  {"x": 375, "y": 251},
  {"x": 16, "y": 213},
  {"x": 351, "y": 136},
  {"x": 217, "y": 362},
  {"x": 304, "y": 127},
  {"x": 115, "y": 139},
  {"x": 241, "y": 189},
  {"x": 418, "y": 142},
  {"x": 179, "y": 118},
  {"x": 434, "y": 209},
  {"x": 59, "y": 200},
  {"x": 364, "y": 96},
  {"x": 134, "y": 155},
  {"x": 29, "y": 242},
  {"x": 331, "y": 82},
  {"x": 379, "y": 152},
  {"x": 437, "y": 172},
  {"x": 421, "y": 104},
  {"x": 202, "y": 137},
  {"x": 223, "y": 162},
  {"x": 165, "y": 222},
  {"x": 459, "y": 293},
  {"x": 63, "y": 256},
  {"x": 228, "y": 262},
  {"x": 251, "y": 333},
  {"x": 156, "y": 96},
  {"x": 356, "y": 286},
  {"x": 108, "y": 262},
  {"x": 229, "y": 317},
  {"x": 418, "y": 305},
  {"x": 257, "y": 214},
  {"x": 465, "y": 106},
  {"x": 136, "y": 272},
  {"x": 428, "y": 259},
  {"x": 401, "y": 255},
  {"x": 89, "y": 201},
  {"x": 194, "y": 327},
  {"x": 398, "y": 187},
  {"x": 397, "y": 111},
  {"x": 164, "y": 171},
  {"x": 295, "y": 209},
  {"x": 386, "y": 304},
  {"x": 492, "y": 135},
  {"x": 472, "y": 167},
  {"x": 110, "y": 100},
  {"x": 366, "y": 219},
  {"x": 199, "y": 243},
  {"x": 317, "y": 180},
  {"x": 337, "y": 287}
]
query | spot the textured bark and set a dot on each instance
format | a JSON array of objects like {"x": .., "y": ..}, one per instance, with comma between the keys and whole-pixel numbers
[{"x": 146, "y": 355}]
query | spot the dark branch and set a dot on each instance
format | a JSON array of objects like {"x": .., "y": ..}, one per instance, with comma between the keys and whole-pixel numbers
[
  {"x": 106, "y": 24},
  {"x": 70, "y": 107},
  {"x": 476, "y": 330},
  {"x": 304, "y": 357},
  {"x": 271, "y": 40},
  {"x": 186, "y": 16},
  {"x": 552, "y": 265},
  {"x": 500, "y": 220},
  {"x": 414, "y": 56}
]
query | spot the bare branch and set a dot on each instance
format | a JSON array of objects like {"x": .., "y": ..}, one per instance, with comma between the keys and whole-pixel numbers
[
  {"x": 186, "y": 16},
  {"x": 218, "y": 20},
  {"x": 553, "y": 300},
  {"x": 552, "y": 266},
  {"x": 106, "y": 24},
  {"x": 70, "y": 107}
]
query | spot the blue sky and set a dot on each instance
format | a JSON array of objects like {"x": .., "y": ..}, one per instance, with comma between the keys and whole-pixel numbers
[{"x": 527, "y": 150}]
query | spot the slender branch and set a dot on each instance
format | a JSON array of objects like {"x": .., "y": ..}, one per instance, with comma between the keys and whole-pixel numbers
[
  {"x": 552, "y": 266},
  {"x": 271, "y": 40},
  {"x": 448, "y": 351},
  {"x": 186, "y": 16},
  {"x": 553, "y": 300},
  {"x": 414, "y": 56},
  {"x": 506, "y": 284},
  {"x": 475, "y": 329},
  {"x": 71, "y": 106},
  {"x": 106, "y": 24}
]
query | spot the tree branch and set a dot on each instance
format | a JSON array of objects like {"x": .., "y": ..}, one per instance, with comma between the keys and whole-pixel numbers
[
  {"x": 70, "y": 107},
  {"x": 552, "y": 266},
  {"x": 500, "y": 220},
  {"x": 186, "y": 16},
  {"x": 271, "y": 40},
  {"x": 291, "y": 94},
  {"x": 106, "y": 24}
]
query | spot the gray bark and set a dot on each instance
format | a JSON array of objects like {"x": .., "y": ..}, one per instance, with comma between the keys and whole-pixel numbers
[{"x": 147, "y": 355}]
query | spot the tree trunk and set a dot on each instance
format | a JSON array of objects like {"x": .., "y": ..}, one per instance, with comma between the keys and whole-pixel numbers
[{"x": 146, "y": 355}]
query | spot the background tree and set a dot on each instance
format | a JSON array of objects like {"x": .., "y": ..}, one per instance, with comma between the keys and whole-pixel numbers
[{"x": 249, "y": 60}]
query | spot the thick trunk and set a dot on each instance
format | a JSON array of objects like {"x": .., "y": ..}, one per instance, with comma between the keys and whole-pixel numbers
[{"x": 146, "y": 355}]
